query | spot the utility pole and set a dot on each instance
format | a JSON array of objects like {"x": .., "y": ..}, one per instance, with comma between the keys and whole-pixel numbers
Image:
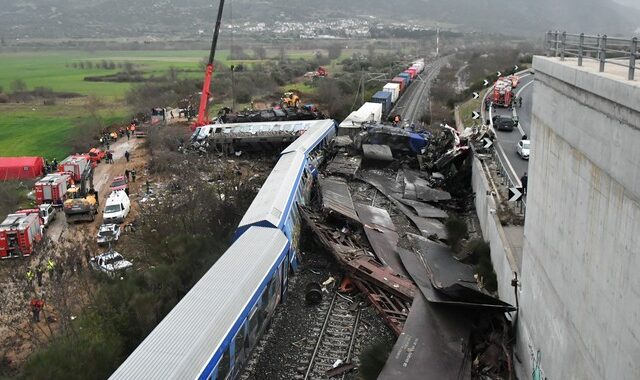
[
  {"x": 233, "y": 89},
  {"x": 437, "y": 41}
]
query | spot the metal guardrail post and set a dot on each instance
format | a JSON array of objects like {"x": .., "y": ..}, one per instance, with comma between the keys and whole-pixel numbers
[
  {"x": 547, "y": 42},
  {"x": 603, "y": 52},
  {"x": 557, "y": 41},
  {"x": 580, "y": 49},
  {"x": 632, "y": 57},
  {"x": 563, "y": 45}
]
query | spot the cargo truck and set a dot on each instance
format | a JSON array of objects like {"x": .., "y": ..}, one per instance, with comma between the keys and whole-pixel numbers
[
  {"x": 52, "y": 189},
  {"x": 77, "y": 166},
  {"x": 18, "y": 235}
]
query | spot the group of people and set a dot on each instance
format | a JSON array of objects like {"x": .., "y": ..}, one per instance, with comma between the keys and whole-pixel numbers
[
  {"x": 130, "y": 175},
  {"x": 50, "y": 167},
  {"x": 55, "y": 271}
]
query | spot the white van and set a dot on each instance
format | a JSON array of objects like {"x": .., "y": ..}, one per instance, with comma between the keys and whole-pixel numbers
[{"x": 116, "y": 207}]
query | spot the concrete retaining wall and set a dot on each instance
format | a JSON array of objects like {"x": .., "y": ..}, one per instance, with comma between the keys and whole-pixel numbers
[
  {"x": 580, "y": 304},
  {"x": 492, "y": 231}
]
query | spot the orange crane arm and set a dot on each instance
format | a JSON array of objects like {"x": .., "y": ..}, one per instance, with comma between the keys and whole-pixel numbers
[{"x": 206, "y": 87}]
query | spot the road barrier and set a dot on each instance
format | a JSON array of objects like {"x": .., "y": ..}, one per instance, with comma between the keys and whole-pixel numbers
[{"x": 615, "y": 51}]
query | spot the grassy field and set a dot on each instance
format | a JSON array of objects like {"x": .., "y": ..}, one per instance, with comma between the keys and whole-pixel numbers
[
  {"x": 466, "y": 110},
  {"x": 34, "y": 129}
]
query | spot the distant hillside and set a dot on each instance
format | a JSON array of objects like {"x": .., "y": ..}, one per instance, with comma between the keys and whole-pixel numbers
[{"x": 108, "y": 18}]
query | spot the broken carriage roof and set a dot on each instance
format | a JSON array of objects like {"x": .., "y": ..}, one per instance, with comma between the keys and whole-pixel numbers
[{"x": 276, "y": 195}]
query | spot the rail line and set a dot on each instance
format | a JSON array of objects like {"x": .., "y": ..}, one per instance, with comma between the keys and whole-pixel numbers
[
  {"x": 336, "y": 337},
  {"x": 411, "y": 105}
]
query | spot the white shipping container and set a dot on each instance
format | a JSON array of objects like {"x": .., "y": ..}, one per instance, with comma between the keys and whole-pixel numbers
[
  {"x": 394, "y": 89},
  {"x": 370, "y": 112}
]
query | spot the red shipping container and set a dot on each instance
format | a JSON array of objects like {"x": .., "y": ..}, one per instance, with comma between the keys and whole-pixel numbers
[
  {"x": 18, "y": 235},
  {"x": 400, "y": 81},
  {"x": 76, "y": 165},
  {"x": 12, "y": 168},
  {"x": 411, "y": 72},
  {"x": 52, "y": 188}
]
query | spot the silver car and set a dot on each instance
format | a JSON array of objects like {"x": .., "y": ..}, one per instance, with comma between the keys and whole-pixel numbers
[{"x": 108, "y": 234}]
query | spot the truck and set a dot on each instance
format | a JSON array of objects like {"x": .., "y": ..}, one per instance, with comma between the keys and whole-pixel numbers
[
  {"x": 110, "y": 263},
  {"x": 52, "y": 189},
  {"x": 96, "y": 155},
  {"x": 76, "y": 165},
  {"x": 45, "y": 211},
  {"x": 502, "y": 94},
  {"x": 19, "y": 234}
]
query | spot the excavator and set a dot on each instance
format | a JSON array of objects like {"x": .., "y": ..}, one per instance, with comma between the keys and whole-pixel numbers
[
  {"x": 203, "y": 119},
  {"x": 290, "y": 99},
  {"x": 81, "y": 202}
]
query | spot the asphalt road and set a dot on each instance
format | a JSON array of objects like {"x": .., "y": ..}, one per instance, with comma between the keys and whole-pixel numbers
[
  {"x": 415, "y": 100},
  {"x": 509, "y": 140}
]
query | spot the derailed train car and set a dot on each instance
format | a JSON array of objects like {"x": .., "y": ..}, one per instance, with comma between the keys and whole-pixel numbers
[{"x": 210, "y": 333}]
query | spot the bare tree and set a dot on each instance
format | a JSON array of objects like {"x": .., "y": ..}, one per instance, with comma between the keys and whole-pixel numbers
[{"x": 260, "y": 52}]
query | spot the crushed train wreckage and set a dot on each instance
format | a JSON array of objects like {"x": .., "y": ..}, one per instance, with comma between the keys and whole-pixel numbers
[{"x": 414, "y": 282}]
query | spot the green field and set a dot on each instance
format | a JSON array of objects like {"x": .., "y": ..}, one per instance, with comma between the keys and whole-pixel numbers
[{"x": 34, "y": 129}]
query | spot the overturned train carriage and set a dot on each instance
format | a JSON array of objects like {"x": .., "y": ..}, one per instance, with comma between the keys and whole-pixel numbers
[{"x": 212, "y": 330}]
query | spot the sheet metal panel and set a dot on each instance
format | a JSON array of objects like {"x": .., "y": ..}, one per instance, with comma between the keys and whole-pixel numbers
[
  {"x": 337, "y": 197},
  {"x": 382, "y": 235},
  {"x": 421, "y": 275},
  {"x": 182, "y": 345},
  {"x": 422, "y": 209},
  {"x": 276, "y": 194},
  {"x": 434, "y": 344}
]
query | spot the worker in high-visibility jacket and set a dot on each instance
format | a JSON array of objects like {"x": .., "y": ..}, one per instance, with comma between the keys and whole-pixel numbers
[
  {"x": 30, "y": 276},
  {"x": 51, "y": 265}
]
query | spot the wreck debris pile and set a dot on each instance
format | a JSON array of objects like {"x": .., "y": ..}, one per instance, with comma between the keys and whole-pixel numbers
[{"x": 433, "y": 302}]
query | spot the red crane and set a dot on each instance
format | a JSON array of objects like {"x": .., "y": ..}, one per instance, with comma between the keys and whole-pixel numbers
[{"x": 204, "y": 98}]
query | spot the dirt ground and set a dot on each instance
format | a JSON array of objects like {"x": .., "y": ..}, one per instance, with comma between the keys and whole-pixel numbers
[{"x": 68, "y": 246}]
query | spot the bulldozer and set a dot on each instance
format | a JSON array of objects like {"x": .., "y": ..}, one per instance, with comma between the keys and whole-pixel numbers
[{"x": 290, "y": 99}]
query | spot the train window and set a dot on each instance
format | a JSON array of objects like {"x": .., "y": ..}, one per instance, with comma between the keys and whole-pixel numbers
[
  {"x": 223, "y": 366},
  {"x": 265, "y": 297},
  {"x": 239, "y": 339}
]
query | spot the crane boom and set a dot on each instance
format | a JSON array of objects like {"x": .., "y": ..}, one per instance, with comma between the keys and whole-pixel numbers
[{"x": 206, "y": 87}]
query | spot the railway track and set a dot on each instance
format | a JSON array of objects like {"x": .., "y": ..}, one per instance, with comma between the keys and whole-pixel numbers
[
  {"x": 413, "y": 104},
  {"x": 335, "y": 338}
]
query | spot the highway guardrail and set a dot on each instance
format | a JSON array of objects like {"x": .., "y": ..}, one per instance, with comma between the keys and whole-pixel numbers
[{"x": 606, "y": 50}]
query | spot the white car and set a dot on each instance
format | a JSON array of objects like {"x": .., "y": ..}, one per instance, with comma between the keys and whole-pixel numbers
[
  {"x": 111, "y": 263},
  {"x": 108, "y": 233},
  {"x": 523, "y": 148}
]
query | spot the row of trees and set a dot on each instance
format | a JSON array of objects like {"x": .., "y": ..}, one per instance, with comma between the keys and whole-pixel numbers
[{"x": 104, "y": 64}]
